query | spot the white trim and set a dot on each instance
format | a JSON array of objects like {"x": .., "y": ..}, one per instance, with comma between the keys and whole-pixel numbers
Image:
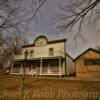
[
  {"x": 52, "y": 74},
  {"x": 60, "y": 70},
  {"x": 41, "y": 66},
  {"x": 36, "y": 74},
  {"x": 21, "y": 68},
  {"x": 17, "y": 73},
  {"x": 11, "y": 68}
]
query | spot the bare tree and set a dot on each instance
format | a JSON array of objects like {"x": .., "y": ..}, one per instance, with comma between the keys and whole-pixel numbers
[
  {"x": 97, "y": 48},
  {"x": 15, "y": 16},
  {"x": 78, "y": 12},
  {"x": 11, "y": 48}
]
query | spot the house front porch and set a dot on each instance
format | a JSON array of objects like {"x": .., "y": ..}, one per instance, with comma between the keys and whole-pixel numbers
[{"x": 47, "y": 66}]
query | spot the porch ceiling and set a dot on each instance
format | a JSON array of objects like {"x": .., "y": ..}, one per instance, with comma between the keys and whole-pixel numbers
[{"x": 41, "y": 58}]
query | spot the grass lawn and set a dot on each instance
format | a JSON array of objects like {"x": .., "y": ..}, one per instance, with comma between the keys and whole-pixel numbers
[{"x": 47, "y": 88}]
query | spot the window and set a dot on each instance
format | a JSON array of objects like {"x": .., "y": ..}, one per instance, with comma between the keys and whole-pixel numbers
[
  {"x": 31, "y": 53},
  {"x": 41, "y": 42},
  {"x": 51, "y": 51},
  {"x": 92, "y": 61}
]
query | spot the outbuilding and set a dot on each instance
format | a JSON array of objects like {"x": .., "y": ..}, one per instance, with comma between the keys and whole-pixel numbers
[{"x": 88, "y": 65}]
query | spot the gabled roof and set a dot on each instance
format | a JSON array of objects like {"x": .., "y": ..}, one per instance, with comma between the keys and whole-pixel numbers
[
  {"x": 89, "y": 49},
  {"x": 69, "y": 56}
]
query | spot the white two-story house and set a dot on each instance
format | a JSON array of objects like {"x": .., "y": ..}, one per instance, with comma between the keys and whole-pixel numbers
[{"x": 44, "y": 58}]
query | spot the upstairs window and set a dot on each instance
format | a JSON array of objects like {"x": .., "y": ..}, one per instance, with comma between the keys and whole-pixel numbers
[
  {"x": 31, "y": 53},
  {"x": 92, "y": 61},
  {"x": 41, "y": 42},
  {"x": 51, "y": 51}
]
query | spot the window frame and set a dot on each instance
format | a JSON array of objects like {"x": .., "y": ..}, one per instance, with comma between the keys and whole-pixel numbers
[
  {"x": 51, "y": 51},
  {"x": 31, "y": 53},
  {"x": 95, "y": 61}
]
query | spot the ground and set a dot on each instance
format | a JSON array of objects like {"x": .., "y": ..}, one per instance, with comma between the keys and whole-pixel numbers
[{"x": 47, "y": 88}]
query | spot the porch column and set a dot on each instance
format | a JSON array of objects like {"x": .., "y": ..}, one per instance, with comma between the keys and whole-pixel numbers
[
  {"x": 41, "y": 66},
  {"x": 48, "y": 68},
  {"x": 60, "y": 66},
  {"x": 12, "y": 65},
  {"x": 21, "y": 68}
]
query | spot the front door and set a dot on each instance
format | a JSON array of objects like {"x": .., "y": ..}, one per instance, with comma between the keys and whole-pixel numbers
[{"x": 36, "y": 67}]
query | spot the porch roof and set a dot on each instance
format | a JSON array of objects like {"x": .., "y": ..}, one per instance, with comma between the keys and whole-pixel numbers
[{"x": 55, "y": 57}]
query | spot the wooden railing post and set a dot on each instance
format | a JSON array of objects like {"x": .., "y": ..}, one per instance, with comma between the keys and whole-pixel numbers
[
  {"x": 41, "y": 66},
  {"x": 60, "y": 66}
]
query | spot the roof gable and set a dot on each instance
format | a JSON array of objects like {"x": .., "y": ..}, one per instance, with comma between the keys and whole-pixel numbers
[
  {"x": 48, "y": 42},
  {"x": 90, "y": 49}
]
